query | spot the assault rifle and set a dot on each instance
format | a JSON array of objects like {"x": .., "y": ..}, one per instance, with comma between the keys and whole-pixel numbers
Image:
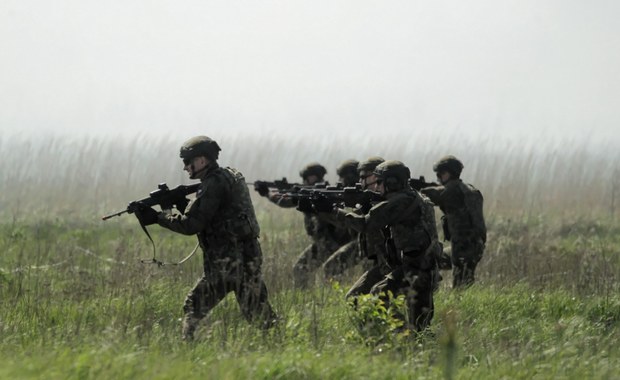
[
  {"x": 335, "y": 195},
  {"x": 164, "y": 197},
  {"x": 420, "y": 183},
  {"x": 280, "y": 184},
  {"x": 263, "y": 187}
]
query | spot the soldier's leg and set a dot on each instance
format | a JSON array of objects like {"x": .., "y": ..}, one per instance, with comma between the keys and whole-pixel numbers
[
  {"x": 311, "y": 259},
  {"x": 367, "y": 280},
  {"x": 391, "y": 283},
  {"x": 208, "y": 291},
  {"x": 465, "y": 258},
  {"x": 419, "y": 295},
  {"x": 303, "y": 265},
  {"x": 444, "y": 261},
  {"x": 251, "y": 292},
  {"x": 345, "y": 257}
]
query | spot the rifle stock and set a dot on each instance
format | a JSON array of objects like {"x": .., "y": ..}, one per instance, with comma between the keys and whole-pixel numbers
[{"x": 420, "y": 183}]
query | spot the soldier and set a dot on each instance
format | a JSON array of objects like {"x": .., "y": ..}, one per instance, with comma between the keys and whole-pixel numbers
[
  {"x": 371, "y": 243},
  {"x": 462, "y": 220},
  {"x": 410, "y": 237},
  {"x": 222, "y": 216},
  {"x": 326, "y": 237},
  {"x": 347, "y": 173},
  {"x": 347, "y": 256}
]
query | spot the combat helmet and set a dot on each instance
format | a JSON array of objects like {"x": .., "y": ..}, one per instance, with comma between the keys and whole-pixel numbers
[
  {"x": 394, "y": 174},
  {"x": 200, "y": 146},
  {"x": 367, "y": 167},
  {"x": 449, "y": 164},
  {"x": 313, "y": 168},
  {"x": 348, "y": 171}
]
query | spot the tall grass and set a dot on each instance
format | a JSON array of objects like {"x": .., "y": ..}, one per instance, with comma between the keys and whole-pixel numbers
[
  {"x": 75, "y": 302},
  {"x": 58, "y": 174}
]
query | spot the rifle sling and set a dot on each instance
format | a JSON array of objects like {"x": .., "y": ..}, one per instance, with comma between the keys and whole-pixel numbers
[{"x": 159, "y": 262}]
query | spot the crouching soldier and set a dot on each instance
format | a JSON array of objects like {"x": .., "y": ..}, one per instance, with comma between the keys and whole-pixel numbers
[
  {"x": 326, "y": 237},
  {"x": 408, "y": 227}
]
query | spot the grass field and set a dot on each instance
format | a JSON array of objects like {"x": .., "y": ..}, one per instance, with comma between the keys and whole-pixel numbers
[{"x": 75, "y": 303}]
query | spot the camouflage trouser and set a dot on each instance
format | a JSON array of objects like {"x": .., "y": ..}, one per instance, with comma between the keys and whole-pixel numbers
[
  {"x": 465, "y": 257},
  {"x": 222, "y": 276},
  {"x": 311, "y": 259},
  {"x": 345, "y": 257},
  {"x": 364, "y": 284},
  {"x": 417, "y": 286}
]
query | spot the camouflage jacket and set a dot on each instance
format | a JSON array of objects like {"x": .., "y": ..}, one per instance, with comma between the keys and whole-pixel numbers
[
  {"x": 320, "y": 227},
  {"x": 408, "y": 223},
  {"x": 461, "y": 204},
  {"x": 222, "y": 212}
]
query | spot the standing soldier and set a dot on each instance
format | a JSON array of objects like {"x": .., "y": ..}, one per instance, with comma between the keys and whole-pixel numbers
[
  {"x": 462, "y": 220},
  {"x": 326, "y": 237},
  {"x": 410, "y": 237},
  {"x": 222, "y": 216}
]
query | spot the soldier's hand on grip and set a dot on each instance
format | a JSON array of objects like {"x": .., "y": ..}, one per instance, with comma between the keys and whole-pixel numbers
[
  {"x": 305, "y": 205},
  {"x": 322, "y": 204}
]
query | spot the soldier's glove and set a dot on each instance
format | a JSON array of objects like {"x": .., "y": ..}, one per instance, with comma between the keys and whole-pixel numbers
[
  {"x": 262, "y": 189},
  {"x": 145, "y": 214},
  {"x": 305, "y": 205},
  {"x": 322, "y": 204}
]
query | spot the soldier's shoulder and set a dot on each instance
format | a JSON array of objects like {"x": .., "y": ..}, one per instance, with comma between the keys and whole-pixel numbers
[
  {"x": 219, "y": 178},
  {"x": 403, "y": 199},
  {"x": 467, "y": 187}
]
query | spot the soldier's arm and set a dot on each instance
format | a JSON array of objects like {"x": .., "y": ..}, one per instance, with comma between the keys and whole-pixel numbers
[
  {"x": 333, "y": 219},
  {"x": 378, "y": 217},
  {"x": 433, "y": 193},
  {"x": 473, "y": 203},
  {"x": 200, "y": 213},
  {"x": 282, "y": 200}
]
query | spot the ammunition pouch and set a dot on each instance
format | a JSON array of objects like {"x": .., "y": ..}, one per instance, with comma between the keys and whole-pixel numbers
[
  {"x": 392, "y": 258},
  {"x": 422, "y": 260},
  {"x": 239, "y": 228}
]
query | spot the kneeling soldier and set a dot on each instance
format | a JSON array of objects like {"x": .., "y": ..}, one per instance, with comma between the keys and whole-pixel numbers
[{"x": 408, "y": 225}]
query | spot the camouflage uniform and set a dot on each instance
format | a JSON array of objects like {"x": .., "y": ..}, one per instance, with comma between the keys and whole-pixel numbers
[
  {"x": 222, "y": 216},
  {"x": 326, "y": 237},
  {"x": 463, "y": 224},
  {"x": 371, "y": 244},
  {"x": 411, "y": 238},
  {"x": 347, "y": 256}
]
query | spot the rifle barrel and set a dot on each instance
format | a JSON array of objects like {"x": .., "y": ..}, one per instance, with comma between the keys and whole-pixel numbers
[{"x": 113, "y": 215}]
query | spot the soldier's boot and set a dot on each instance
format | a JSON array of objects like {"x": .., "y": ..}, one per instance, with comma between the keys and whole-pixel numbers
[
  {"x": 462, "y": 277},
  {"x": 301, "y": 277},
  {"x": 444, "y": 261},
  {"x": 436, "y": 278},
  {"x": 190, "y": 323}
]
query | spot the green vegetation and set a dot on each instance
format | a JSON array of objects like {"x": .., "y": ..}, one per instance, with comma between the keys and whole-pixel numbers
[{"x": 76, "y": 303}]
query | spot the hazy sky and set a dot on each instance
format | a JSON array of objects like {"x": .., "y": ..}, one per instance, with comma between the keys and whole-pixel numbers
[{"x": 485, "y": 66}]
